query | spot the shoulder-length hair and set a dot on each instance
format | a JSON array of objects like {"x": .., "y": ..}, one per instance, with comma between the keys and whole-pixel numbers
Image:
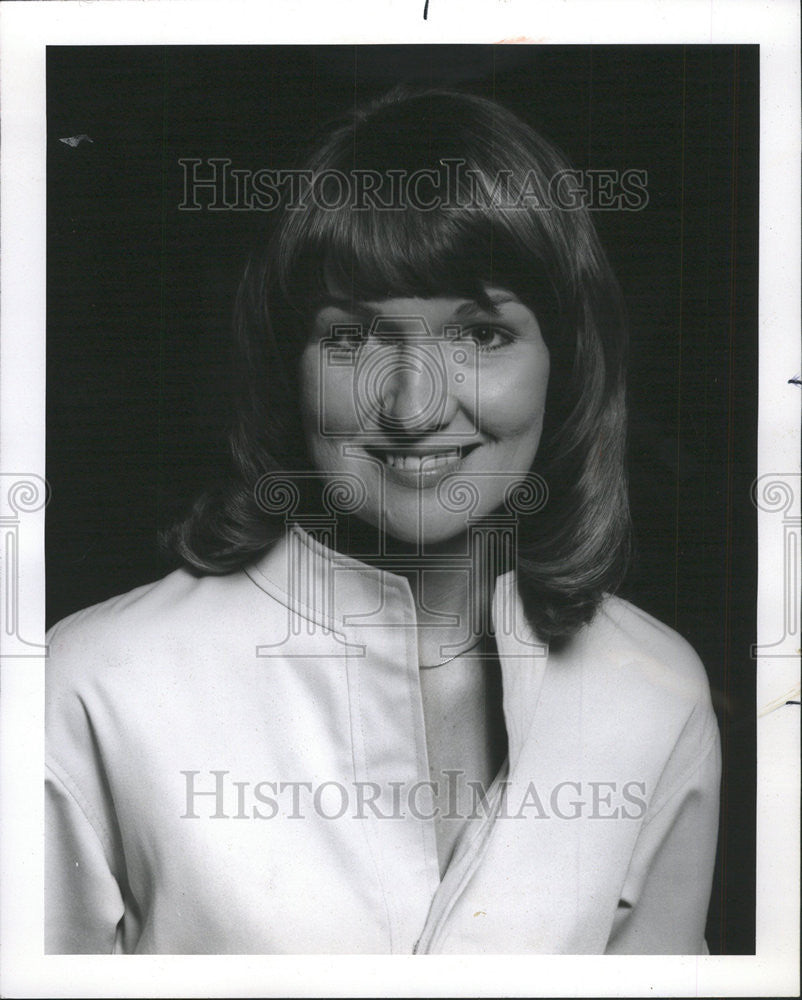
[{"x": 495, "y": 205}]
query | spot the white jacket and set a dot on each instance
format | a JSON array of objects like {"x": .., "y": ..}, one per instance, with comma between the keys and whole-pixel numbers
[{"x": 237, "y": 764}]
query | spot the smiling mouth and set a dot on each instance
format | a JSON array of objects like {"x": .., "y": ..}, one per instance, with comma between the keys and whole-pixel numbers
[{"x": 417, "y": 461}]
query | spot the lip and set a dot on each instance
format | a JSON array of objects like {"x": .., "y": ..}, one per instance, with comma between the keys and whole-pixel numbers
[{"x": 430, "y": 471}]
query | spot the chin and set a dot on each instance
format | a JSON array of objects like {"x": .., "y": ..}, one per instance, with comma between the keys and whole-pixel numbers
[{"x": 411, "y": 527}]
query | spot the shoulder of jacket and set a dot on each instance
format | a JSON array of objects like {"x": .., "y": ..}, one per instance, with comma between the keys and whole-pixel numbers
[
  {"x": 634, "y": 641},
  {"x": 124, "y": 610},
  {"x": 179, "y": 608}
]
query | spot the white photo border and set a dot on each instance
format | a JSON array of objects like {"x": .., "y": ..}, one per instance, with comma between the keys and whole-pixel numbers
[{"x": 26, "y": 31}]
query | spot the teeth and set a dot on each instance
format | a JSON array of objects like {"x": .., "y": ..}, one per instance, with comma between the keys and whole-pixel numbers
[{"x": 416, "y": 462}]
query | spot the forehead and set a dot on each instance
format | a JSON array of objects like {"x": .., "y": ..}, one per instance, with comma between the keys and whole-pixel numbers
[{"x": 435, "y": 306}]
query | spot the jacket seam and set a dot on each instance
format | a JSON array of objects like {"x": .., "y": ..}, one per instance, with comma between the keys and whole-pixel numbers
[
  {"x": 66, "y": 782},
  {"x": 356, "y": 709},
  {"x": 293, "y": 603}
]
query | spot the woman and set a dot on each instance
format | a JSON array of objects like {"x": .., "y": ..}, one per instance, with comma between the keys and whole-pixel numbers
[{"x": 391, "y": 704}]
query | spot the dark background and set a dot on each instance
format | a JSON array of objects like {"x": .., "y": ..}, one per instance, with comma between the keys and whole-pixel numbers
[{"x": 139, "y": 301}]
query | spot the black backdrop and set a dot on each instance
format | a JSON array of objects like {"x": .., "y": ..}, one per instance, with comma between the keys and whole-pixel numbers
[{"x": 139, "y": 300}]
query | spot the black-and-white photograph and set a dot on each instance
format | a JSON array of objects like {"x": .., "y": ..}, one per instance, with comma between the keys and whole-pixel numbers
[
  {"x": 402, "y": 409},
  {"x": 399, "y": 502}
]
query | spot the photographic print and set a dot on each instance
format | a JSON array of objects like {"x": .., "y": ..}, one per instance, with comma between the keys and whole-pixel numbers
[
  {"x": 332, "y": 727},
  {"x": 410, "y": 529}
]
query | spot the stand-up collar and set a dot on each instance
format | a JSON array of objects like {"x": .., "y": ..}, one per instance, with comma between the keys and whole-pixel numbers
[{"x": 344, "y": 595}]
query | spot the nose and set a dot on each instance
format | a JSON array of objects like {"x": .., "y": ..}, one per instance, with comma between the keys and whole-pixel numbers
[{"x": 413, "y": 390}]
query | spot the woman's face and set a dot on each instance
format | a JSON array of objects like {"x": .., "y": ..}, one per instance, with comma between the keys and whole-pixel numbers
[{"x": 409, "y": 393}]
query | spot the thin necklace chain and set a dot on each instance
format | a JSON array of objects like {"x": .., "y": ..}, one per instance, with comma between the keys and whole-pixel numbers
[{"x": 462, "y": 652}]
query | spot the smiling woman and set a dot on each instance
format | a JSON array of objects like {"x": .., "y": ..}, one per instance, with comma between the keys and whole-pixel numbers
[
  {"x": 493, "y": 226},
  {"x": 399, "y": 608},
  {"x": 417, "y": 406}
]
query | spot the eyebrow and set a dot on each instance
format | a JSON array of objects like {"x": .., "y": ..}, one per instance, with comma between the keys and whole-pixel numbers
[
  {"x": 352, "y": 307},
  {"x": 470, "y": 310}
]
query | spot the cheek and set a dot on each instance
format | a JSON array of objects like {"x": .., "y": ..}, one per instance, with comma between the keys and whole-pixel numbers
[
  {"x": 327, "y": 399},
  {"x": 512, "y": 397}
]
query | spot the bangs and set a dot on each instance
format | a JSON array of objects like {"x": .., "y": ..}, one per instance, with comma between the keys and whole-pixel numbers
[
  {"x": 353, "y": 240},
  {"x": 375, "y": 255}
]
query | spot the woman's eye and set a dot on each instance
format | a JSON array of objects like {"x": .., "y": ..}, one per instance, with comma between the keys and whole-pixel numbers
[{"x": 487, "y": 336}]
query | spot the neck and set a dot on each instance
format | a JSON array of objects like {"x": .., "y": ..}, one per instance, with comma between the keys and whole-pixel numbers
[{"x": 451, "y": 589}]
